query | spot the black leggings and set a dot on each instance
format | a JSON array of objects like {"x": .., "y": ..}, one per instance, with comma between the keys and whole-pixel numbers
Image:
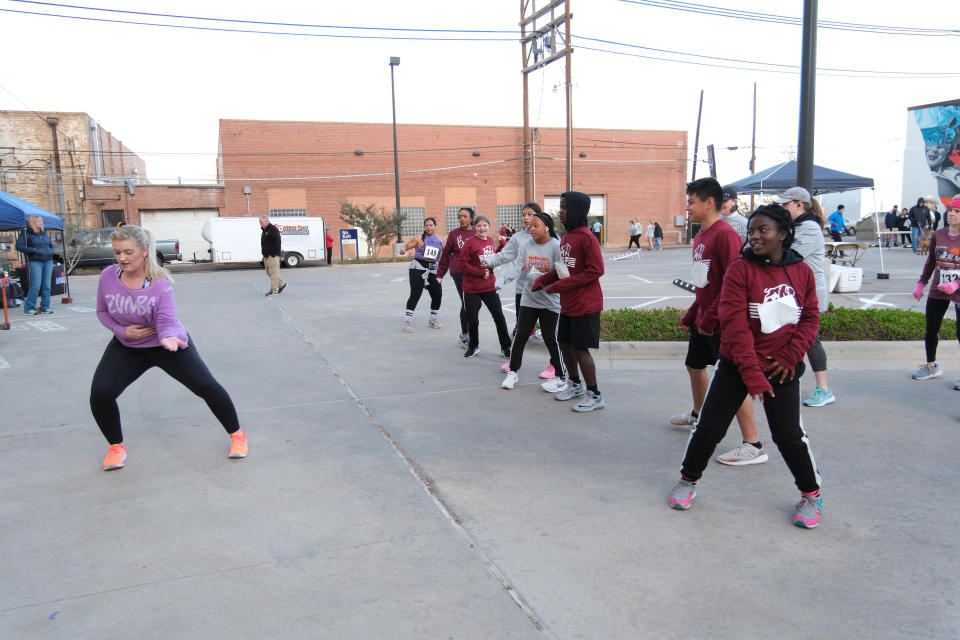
[
  {"x": 526, "y": 320},
  {"x": 458, "y": 281},
  {"x": 724, "y": 396},
  {"x": 416, "y": 289},
  {"x": 632, "y": 240},
  {"x": 121, "y": 365},
  {"x": 492, "y": 301},
  {"x": 936, "y": 309}
]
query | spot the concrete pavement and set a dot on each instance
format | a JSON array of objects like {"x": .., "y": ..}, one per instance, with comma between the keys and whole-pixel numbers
[{"x": 393, "y": 490}]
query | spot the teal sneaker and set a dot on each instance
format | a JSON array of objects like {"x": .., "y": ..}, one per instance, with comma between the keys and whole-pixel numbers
[
  {"x": 807, "y": 511},
  {"x": 820, "y": 397},
  {"x": 30, "y": 312},
  {"x": 926, "y": 371}
]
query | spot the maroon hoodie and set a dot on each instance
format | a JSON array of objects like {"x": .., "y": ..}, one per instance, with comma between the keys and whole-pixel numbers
[
  {"x": 580, "y": 293},
  {"x": 748, "y": 333},
  {"x": 714, "y": 249},
  {"x": 477, "y": 276},
  {"x": 450, "y": 257}
]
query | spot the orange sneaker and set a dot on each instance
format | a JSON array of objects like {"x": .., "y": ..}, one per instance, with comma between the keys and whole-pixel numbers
[
  {"x": 116, "y": 455},
  {"x": 238, "y": 444}
]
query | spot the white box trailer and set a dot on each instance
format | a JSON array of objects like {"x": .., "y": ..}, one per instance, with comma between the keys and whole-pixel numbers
[{"x": 238, "y": 239}]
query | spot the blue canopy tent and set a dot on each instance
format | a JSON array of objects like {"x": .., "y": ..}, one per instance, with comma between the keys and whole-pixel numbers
[
  {"x": 14, "y": 212},
  {"x": 781, "y": 177},
  {"x": 13, "y": 217}
]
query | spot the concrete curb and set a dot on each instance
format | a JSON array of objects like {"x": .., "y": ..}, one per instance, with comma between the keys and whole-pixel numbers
[{"x": 836, "y": 350}]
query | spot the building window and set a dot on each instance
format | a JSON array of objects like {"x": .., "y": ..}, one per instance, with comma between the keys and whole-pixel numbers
[
  {"x": 288, "y": 212},
  {"x": 509, "y": 214},
  {"x": 112, "y": 217},
  {"x": 413, "y": 225},
  {"x": 450, "y": 213}
]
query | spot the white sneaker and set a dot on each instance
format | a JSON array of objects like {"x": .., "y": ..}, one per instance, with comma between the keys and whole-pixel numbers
[
  {"x": 683, "y": 420},
  {"x": 590, "y": 402},
  {"x": 572, "y": 391},
  {"x": 553, "y": 385},
  {"x": 407, "y": 327},
  {"x": 510, "y": 381},
  {"x": 744, "y": 453},
  {"x": 434, "y": 324},
  {"x": 537, "y": 336}
]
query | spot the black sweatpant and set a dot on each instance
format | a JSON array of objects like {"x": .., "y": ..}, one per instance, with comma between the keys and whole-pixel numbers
[
  {"x": 632, "y": 240},
  {"x": 724, "y": 396},
  {"x": 417, "y": 284},
  {"x": 936, "y": 309},
  {"x": 458, "y": 281},
  {"x": 526, "y": 319},
  {"x": 121, "y": 365},
  {"x": 492, "y": 301}
]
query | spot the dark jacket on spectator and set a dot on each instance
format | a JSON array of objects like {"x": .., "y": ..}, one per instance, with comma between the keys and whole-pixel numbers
[
  {"x": 270, "y": 241},
  {"x": 36, "y": 246}
]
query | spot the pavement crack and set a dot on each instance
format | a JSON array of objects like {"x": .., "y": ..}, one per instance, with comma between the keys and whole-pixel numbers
[{"x": 429, "y": 486}]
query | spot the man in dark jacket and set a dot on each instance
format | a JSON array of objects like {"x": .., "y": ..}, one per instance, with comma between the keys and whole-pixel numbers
[
  {"x": 890, "y": 222},
  {"x": 919, "y": 220},
  {"x": 270, "y": 248}
]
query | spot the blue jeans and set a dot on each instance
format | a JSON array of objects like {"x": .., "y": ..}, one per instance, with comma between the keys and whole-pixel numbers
[
  {"x": 40, "y": 275},
  {"x": 915, "y": 238}
]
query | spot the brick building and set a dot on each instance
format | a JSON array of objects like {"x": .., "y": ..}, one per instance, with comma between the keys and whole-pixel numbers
[{"x": 308, "y": 168}]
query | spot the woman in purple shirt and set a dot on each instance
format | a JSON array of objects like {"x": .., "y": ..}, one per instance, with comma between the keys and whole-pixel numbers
[{"x": 135, "y": 301}]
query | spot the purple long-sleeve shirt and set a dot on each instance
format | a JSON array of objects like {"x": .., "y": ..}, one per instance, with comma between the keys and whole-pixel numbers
[{"x": 154, "y": 306}]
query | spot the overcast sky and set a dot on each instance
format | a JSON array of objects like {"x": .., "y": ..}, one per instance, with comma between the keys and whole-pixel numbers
[{"x": 162, "y": 90}]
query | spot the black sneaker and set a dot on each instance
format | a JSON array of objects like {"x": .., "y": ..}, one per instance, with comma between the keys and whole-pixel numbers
[
  {"x": 270, "y": 293},
  {"x": 471, "y": 352},
  {"x": 282, "y": 287}
]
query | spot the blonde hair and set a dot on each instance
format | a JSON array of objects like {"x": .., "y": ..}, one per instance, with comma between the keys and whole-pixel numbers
[
  {"x": 817, "y": 210},
  {"x": 143, "y": 239},
  {"x": 32, "y": 222}
]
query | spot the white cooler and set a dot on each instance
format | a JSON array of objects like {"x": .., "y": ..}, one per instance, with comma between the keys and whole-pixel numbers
[{"x": 845, "y": 279}]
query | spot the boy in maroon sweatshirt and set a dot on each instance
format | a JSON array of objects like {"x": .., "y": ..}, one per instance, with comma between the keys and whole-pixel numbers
[
  {"x": 577, "y": 280},
  {"x": 715, "y": 247}
]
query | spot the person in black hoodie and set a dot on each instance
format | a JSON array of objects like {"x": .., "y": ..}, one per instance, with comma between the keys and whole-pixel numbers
[
  {"x": 34, "y": 243},
  {"x": 768, "y": 318}
]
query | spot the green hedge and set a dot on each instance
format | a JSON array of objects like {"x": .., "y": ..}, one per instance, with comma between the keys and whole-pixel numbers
[{"x": 838, "y": 323}]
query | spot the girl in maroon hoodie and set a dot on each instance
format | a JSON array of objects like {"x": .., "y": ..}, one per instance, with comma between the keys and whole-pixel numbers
[
  {"x": 768, "y": 318},
  {"x": 479, "y": 287},
  {"x": 450, "y": 261}
]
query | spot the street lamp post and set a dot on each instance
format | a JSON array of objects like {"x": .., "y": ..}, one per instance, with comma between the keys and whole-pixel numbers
[{"x": 395, "y": 61}]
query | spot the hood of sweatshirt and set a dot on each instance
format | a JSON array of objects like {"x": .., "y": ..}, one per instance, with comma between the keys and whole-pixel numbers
[
  {"x": 789, "y": 257},
  {"x": 807, "y": 215},
  {"x": 578, "y": 206}
]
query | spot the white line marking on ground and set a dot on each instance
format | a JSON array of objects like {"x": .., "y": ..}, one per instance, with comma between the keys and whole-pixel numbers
[
  {"x": 639, "y": 278},
  {"x": 3, "y": 363},
  {"x": 651, "y": 302},
  {"x": 78, "y": 308},
  {"x": 47, "y": 325},
  {"x": 875, "y": 300},
  {"x": 398, "y": 279}
]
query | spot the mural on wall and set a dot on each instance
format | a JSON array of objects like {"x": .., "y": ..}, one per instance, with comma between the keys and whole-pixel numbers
[{"x": 932, "y": 155}]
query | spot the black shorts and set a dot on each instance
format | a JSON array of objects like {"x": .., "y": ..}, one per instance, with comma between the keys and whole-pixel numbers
[
  {"x": 580, "y": 332},
  {"x": 702, "y": 350}
]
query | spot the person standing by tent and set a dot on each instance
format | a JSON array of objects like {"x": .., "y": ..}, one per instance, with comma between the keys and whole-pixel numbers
[
  {"x": 34, "y": 243},
  {"x": 837, "y": 224},
  {"x": 329, "y": 241},
  {"x": 919, "y": 216},
  {"x": 890, "y": 222}
]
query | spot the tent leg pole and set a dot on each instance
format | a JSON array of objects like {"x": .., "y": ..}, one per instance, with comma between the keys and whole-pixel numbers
[{"x": 66, "y": 276}]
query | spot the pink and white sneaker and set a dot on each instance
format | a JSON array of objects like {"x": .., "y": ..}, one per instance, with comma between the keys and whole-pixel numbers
[
  {"x": 505, "y": 367},
  {"x": 548, "y": 373}
]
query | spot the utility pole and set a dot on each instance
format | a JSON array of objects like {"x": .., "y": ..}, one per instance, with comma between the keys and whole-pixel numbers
[
  {"x": 53, "y": 121},
  {"x": 541, "y": 38},
  {"x": 753, "y": 140},
  {"x": 808, "y": 89},
  {"x": 696, "y": 146}
]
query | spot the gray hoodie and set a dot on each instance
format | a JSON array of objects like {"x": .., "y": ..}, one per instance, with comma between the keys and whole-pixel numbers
[
  {"x": 509, "y": 255},
  {"x": 534, "y": 261},
  {"x": 808, "y": 242}
]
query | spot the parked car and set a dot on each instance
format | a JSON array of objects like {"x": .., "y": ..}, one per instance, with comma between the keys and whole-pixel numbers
[{"x": 93, "y": 249}]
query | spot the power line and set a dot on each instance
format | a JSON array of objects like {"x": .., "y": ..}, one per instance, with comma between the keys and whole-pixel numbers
[{"x": 755, "y": 16}]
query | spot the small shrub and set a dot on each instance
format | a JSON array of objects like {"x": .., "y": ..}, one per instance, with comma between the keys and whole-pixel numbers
[{"x": 838, "y": 323}]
